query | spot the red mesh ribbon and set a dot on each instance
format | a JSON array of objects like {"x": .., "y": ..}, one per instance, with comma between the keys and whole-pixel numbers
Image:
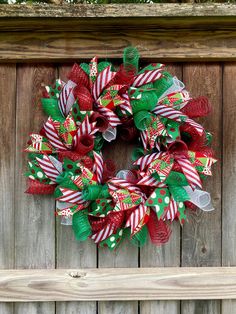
[
  {"x": 101, "y": 122},
  {"x": 116, "y": 218},
  {"x": 84, "y": 98},
  {"x": 78, "y": 76},
  {"x": 85, "y": 144},
  {"x": 158, "y": 230},
  {"x": 124, "y": 76},
  {"x": 128, "y": 131},
  {"x": 109, "y": 169},
  {"x": 198, "y": 107},
  {"x": 190, "y": 205},
  {"x": 36, "y": 187},
  {"x": 97, "y": 224},
  {"x": 178, "y": 148}
]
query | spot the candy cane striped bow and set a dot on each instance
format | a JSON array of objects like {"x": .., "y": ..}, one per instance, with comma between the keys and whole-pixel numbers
[{"x": 176, "y": 115}]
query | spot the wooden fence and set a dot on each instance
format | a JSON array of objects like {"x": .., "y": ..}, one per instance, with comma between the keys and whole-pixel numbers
[{"x": 36, "y": 46}]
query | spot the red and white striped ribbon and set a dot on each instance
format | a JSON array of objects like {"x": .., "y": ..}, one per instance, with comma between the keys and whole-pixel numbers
[
  {"x": 52, "y": 135},
  {"x": 195, "y": 125},
  {"x": 190, "y": 172},
  {"x": 172, "y": 210},
  {"x": 144, "y": 161},
  {"x": 150, "y": 181},
  {"x": 48, "y": 167},
  {"x": 126, "y": 106},
  {"x": 71, "y": 196},
  {"x": 104, "y": 233},
  {"x": 169, "y": 112},
  {"x": 147, "y": 77},
  {"x": 115, "y": 182},
  {"x": 102, "y": 80},
  {"x": 111, "y": 117},
  {"x": 135, "y": 218},
  {"x": 144, "y": 138},
  {"x": 98, "y": 166},
  {"x": 66, "y": 98}
]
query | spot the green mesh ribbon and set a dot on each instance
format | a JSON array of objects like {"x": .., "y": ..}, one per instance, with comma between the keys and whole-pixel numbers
[
  {"x": 139, "y": 238},
  {"x": 142, "y": 119},
  {"x": 131, "y": 58},
  {"x": 163, "y": 83},
  {"x": 81, "y": 225},
  {"x": 147, "y": 101},
  {"x": 50, "y": 107},
  {"x": 93, "y": 192}
]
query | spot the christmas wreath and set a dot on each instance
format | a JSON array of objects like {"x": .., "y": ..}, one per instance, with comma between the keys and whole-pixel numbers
[{"x": 170, "y": 161}]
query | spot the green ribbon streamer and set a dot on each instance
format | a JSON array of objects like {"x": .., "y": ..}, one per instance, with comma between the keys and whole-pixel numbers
[
  {"x": 147, "y": 101},
  {"x": 139, "y": 238},
  {"x": 163, "y": 84},
  {"x": 209, "y": 138},
  {"x": 102, "y": 65},
  {"x": 81, "y": 225},
  {"x": 93, "y": 192},
  {"x": 137, "y": 153},
  {"x": 176, "y": 178},
  {"x": 50, "y": 107},
  {"x": 142, "y": 119},
  {"x": 131, "y": 58},
  {"x": 85, "y": 67},
  {"x": 98, "y": 142},
  {"x": 178, "y": 193}
]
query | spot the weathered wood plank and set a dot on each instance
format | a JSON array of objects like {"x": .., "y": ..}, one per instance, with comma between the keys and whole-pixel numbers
[
  {"x": 228, "y": 188},
  {"x": 34, "y": 215},
  {"x": 7, "y": 169},
  {"x": 168, "y": 45},
  {"x": 127, "y": 254},
  {"x": 120, "y": 10},
  {"x": 71, "y": 253},
  {"x": 165, "y": 283},
  {"x": 201, "y": 244},
  {"x": 166, "y": 255}
]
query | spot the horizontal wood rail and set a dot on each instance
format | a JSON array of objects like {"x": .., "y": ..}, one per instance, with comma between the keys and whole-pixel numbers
[
  {"x": 169, "y": 32},
  {"x": 167, "y": 283}
]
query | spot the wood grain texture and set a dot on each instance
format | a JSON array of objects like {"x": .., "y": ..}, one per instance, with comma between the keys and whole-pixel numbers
[
  {"x": 228, "y": 192},
  {"x": 34, "y": 215},
  {"x": 201, "y": 237},
  {"x": 119, "y": 10},
  {"x": 127, "y": 254},
  {"x": 7, "y": 170},
  {"x": 72, "y": 253},
  {"x": 166, "y": 255},
  {"x": 168, "y": 45},
  {"x": 165, "y": 283}
]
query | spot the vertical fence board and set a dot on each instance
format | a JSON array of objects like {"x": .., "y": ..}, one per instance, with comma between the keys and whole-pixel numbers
[
  {"x": 7, "y": 168},
  {"x": 201, "y": 244},
  {"x": 73, "y": 254},
  {"x": 229, "y": 182},
  {"x": 127, "y": 254},
  {"x": 34, "y": 215},
  {"x": 167, "y": 255}
]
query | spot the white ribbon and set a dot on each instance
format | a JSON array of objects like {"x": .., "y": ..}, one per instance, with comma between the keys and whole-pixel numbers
[
  {"x": 201, "y": 199},
  {"x": 175, "y": 87},
  {"x": 109, "y": 134}
]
